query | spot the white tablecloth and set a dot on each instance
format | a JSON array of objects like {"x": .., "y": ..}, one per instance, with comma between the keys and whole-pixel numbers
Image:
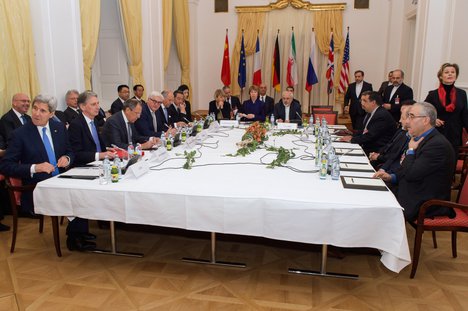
[{"x": 247, "y": 199}]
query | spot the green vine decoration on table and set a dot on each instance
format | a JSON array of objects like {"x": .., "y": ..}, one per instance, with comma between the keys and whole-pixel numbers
[
  {"x": 286, "y": 132},
  {"x": 254, "y": 136},
  {"x": 283, "y": 156},
  {"x": 190, "y": 159}
]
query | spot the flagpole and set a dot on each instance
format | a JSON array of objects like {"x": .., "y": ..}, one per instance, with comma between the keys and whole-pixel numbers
[{"x": 331, "y": 90}]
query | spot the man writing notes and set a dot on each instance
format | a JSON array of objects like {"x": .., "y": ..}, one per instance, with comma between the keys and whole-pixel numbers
[
  {"x": 427, "y": 170},
  {"x": 120, "y": 129},
  {"x": 287, "y": 110},
  {"x": 352, "y": 99},
  {"x": 379, "y": 126}
]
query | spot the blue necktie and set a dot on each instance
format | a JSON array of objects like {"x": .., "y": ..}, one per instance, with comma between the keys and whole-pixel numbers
[
  {"x": 23, "y": 119},
  {"x": 95, "y": 137},
  {"x": 50, "y": 151}
]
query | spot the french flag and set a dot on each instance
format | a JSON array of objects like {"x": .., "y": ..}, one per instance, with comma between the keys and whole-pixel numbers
[{"x": 257, "y": 75}]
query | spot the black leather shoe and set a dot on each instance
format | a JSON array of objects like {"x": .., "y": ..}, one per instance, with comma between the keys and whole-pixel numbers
[
  {"x": 27, "y": 214},
  {"x": 4, "y": 227},
  {"x": 88, "y": 236},
  {"x": 77, "y": 244}
]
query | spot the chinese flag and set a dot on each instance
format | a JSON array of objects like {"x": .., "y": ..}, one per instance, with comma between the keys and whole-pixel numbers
[{"x": 226, "y": 69}]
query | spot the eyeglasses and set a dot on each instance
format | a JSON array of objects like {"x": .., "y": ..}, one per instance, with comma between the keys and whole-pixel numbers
[
  {"x": 156, "y": 101},
  {"x": 412, "y": 116}
]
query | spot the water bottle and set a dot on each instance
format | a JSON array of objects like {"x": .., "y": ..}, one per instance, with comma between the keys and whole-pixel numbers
[
  {"x": 238, "y": 117},
  {"x": 324, "y": 122},
  {"x": 318, "y": 155},
  {"x": 137, "y": 150},
  {"x": 335, "y": 171},
  {"x": 311, "y": 121},
  {"x": 130, "y": 150},
  {"x": 331, "y": 158},
  {"x": 183, "y": 135},
  {"x": 317, "y": 126},
  {"x": 118, "y": 165},
  {"x": 323, "y": 166},
  {"x": 114, "y": 174},
  {"x": 106, "y": 167},
  {"x": 163, "y": 140},
  {"x": 272, "y": 120}
]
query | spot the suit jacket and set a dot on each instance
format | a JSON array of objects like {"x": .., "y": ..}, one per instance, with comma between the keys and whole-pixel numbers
[
  {"x": 10, "y": 122},
  {"x": 226, "y": 110},
  {"x": 61, "y": 116},
  {"x": 116, "y": 106},
  {"x": 255, "y": 108},
  {"x": 404, "y": 92},
  {"x": 391, "y": 155},
  {"x": 454, "y": 121},
  {"x": 380, "y": 130},
  {"x": 354, "y": 101},
  {"x": 144, "y": 124},
  {"x": 188, "y": 110},
  {"x": 382, "y": 88},
  {"x": 100, "y": 119},
  {"x": 294, "y": 112},
  {"x": 70, "y": 114},
  {"x": 140, "y": 100},
  {"x": 268, "y": 106},
  {"x": 236, "y": 104},
  {"x": 115, "y": 132},
  {"x": 82, "y": 142},
  {"x": 176, "y": 116},
  {"x": 426, "y": 175}
]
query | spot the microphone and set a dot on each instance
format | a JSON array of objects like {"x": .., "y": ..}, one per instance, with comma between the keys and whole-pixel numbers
[
  {"x": 300, "y": 117},
  {"x": 117, "y": 147},
  {"x": 168, "y": 127},
  {"x": 186, "y": 119}
]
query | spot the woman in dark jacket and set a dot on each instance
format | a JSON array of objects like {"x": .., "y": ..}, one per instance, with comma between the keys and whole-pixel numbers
[
  {"x": 219, "y": 107},
  {"x": 451, "y": 105}
]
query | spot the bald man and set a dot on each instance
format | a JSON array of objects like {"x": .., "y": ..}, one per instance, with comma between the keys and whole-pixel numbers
[{"x": 16, "y": 116}]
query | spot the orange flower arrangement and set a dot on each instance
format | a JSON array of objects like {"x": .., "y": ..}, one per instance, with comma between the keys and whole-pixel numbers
[{"x": 257, "y": 132}]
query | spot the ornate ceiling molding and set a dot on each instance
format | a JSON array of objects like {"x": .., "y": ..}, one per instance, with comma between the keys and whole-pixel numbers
[{"x": 297, "y": 4}]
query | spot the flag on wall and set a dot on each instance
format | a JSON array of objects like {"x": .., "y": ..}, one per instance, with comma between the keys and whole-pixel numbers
[
  {"x": 226, "y": 68},
  {"x": 291, "y": 77},
  {"x": 275, "y": 70},
  {"x": 242, "y": 72},
  {"x": 344, "y": 74},
  {"x": 311, "y": 74},
  {"x": 257, "y": 75},
  {"x": 330, "y": 65}
]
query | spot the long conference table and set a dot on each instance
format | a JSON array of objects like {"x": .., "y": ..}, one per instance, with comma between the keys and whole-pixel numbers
[{"x": 240, "y": 195}]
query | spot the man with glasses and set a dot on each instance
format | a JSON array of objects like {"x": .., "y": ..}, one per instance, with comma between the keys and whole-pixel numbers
[
  {"x": 120, "y": 129},
  {"x": 427, "y": 170},
  {"x": 16, "y": 116},
  {"x": 151, "y": 122}
]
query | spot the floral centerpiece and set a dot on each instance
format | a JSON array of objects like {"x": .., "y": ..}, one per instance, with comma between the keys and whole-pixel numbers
[{"x": 254, "y": 136}]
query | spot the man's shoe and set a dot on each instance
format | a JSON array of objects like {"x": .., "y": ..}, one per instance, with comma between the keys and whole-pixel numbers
[
  {"x": 88, "y": 236},
  {"x": 27, "y": 214},
  {"x": 4, "y": 227},
  {"x": 77, "y": 244}
]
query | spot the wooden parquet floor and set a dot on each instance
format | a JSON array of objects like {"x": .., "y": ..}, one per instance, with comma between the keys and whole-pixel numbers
[{"x": 34, "y": 278}]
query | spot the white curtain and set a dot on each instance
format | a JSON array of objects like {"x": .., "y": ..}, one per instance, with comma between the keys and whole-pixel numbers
[{"x": 302, "y": 21}]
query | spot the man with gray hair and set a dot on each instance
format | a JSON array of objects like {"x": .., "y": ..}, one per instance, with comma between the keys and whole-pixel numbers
[
  {"x": 72, "y": 111},
  {"x": 38, "y": 150},
  {"x": 427, "y": 170},
  {"x": 151, "y": 122}
]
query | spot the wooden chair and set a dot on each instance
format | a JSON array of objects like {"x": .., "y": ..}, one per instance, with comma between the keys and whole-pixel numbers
[
  {"x": 15, "y": 189},
  {"x": 331, "y": 117},
  {"x": 321, "y": 109},
  {"x": 441, "y": 223}
]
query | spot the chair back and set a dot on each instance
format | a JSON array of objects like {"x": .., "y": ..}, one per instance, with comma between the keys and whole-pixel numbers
[
  {"x": 463, "y": 192},
  {"x": 321, "y": 109},
  {"x": 15, "y": 188},
  {"x": 331, "y": 117}
]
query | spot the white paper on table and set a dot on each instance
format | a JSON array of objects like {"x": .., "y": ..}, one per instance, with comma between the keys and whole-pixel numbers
[
  {"x": 356, "y": 166},
  {"x": 286, "y": 126},
  {"x": 79, "y": 171},
  {"x": 364, "y": 181},
  {"x": 337, "y": 127},
  {"x": 342, "y": 151},
  {"x": 229, "y": 123}
]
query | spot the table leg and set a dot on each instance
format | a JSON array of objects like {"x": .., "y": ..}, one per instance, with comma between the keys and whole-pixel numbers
[
  {"x": 213, "y": 260},
  {"x": 55, "y": 231},
  {"x": 323, "y": 269},
  {"x": 113, "y": 250}
]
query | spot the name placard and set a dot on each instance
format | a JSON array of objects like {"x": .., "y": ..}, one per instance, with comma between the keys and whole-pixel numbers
[
  {"x": 159, "y": 155},
  {"x": 229, "y": 123},
  {"x": 286, "y": 126},
  {"x": 138, "y": 169}
]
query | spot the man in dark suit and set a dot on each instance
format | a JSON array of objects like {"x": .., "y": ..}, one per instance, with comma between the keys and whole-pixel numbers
[
  {"x": 427, "y": 171},
  {"x": 72, "y": 111},
  {"x": 151, "y": 122},
  {"x": 286, "y": 110},
  {"x": 3, "y": 195},
  {"x": 268, "y": 102},
  {"x": 379, "y": 126},
  {"x": 352, "y": 99},
  {"x": 88, "y": 146},
  {"x": 397, "y": 93},
  {"x": 16, "y": 116},
  {"x": 233, "y": 101},
  {"x": 120, "y": 129},
  {"x": 38, "y": 150},
  {"x": 179, "y": 110},
  {"x": 124, "y": 94},
  {"x": 138, "y": 91},
  {"x": 386, "y": 83},
  {"x": 290, "y": 88}
]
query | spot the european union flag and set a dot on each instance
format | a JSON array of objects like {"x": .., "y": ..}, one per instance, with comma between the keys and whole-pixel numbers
[{"x": 242, "y": 76}]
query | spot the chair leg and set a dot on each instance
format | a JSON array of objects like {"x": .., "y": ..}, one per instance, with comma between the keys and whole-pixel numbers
[
  {"x": 41, "y": 223},
  {"x": 454, "y": 244},
  {"x": 14, "y": 212},
  {"x": 417, "y": 250},
  {"x": 55, "y": 230},
  {"x": 61, "y": 220},
  {"x": 434, "y": 239}
]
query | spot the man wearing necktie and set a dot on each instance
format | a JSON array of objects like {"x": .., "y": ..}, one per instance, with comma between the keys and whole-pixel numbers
[
  {"x": 151, "y": 122},
  {"x": 16, "y": 116},
  {"x": 268, "y": 102},
  {"x": 38, "y": 150}
]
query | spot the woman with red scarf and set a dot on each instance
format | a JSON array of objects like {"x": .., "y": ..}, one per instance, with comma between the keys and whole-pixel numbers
[{"x": 451, "y": 105}]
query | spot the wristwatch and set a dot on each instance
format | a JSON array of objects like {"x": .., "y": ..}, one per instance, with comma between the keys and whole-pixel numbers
[{"x": 409, "y": 150}]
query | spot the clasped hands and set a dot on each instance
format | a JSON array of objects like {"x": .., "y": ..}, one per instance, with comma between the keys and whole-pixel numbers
[{"x": 46, "y": 167}]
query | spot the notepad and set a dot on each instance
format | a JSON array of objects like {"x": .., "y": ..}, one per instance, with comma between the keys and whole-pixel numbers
[
  {"x": 358, "y": 167},
  {"x": 89, "y": 172},
  {"x": 363, "y": 183},
  {"x": 349, "y": 152}
]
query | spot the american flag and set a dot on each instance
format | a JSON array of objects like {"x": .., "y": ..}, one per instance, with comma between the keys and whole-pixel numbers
[
  {"x": 331, "y": 65},
  {"x": 344, "y": 80}
]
